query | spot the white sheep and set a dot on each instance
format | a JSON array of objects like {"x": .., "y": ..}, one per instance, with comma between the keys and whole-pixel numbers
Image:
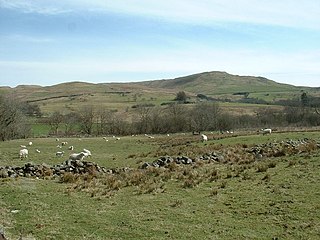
[
  {"x": 38, "y": 151},
  {"x": 23, "y": 146},
  {"x": 57, "y": 139},
  {"x": 266, "y": 131},
  {"x": 77, "y": 156},
  {"x": 87, "y": 152},
  {"x": 23, "y": 153},
  {"x": 64, "y": 143},
  {"x": 30, "y": 143},
  {"x": 204, "y": 138},
  {"x": 60, "y": 153},
  {"x": 71, "y": 148}
]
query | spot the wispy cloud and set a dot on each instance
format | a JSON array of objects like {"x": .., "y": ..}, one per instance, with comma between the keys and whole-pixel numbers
[
  {"x": 27, "y": 39},
  {"x": 34, "y": 6},
  {"x": 289, "y": 13}
]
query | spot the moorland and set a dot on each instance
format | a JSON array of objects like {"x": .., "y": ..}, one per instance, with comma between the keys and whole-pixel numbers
[{"x": 240, "y": 184}]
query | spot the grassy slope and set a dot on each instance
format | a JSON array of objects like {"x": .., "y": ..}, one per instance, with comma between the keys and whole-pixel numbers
[
  {"x": 222, "y": 83},
  {"x": 122, "y": 96},
  {"x": 280, "y": 202}
]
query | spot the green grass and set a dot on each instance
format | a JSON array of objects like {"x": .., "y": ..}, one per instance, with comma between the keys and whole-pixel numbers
[
  {"x": 39, "y": 129},
  {"x": 274, "y": 198}
]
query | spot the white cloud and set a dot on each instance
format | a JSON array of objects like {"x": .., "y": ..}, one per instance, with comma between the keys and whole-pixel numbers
[
  {"x": 27, "y": 39},
  {"x": 35, "y": 6},
  {"x": 291, "y": 13}
]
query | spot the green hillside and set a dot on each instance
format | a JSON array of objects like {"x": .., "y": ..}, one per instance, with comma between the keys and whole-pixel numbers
[
  {"x": 215, "y": 83},
  {"x": 123, "y": 96}
]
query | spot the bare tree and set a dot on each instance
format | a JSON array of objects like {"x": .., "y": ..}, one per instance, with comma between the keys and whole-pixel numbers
[
  {"x": 143, "y": 122},
  {"x": 13, "y": 124},
  {"x": 204, "y": 116},
  {"x": 55, "y": 120},
  {"x": 101, "y": 121},
  {"x": 177, "y": 117},
  {"x": 71, "y": 121},
  {"x": 157, "y": 120},
  {"x": 87, "y": 115}
]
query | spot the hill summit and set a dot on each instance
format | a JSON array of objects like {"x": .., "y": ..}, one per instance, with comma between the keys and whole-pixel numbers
[{"x": 217, "y": 82}]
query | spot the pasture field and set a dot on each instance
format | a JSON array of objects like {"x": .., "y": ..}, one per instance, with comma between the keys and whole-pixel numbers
[{"x": 275, "y": 197}]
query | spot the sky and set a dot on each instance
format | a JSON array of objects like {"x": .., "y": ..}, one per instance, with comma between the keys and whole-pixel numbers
[{"x": 47, "y": 42}]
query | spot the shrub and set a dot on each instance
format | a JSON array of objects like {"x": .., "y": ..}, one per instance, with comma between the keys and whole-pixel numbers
[
  {"x": 69, "y": 178},
  {"x": 262, "y": 167}
]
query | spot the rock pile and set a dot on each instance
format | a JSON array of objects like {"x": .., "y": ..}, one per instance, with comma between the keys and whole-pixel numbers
[
  {"x": 44, "y": 170},
  {"x": 212, "y": 157},
  {"x": 166, "y": 160},
  {"x": 283, "y": 148}
]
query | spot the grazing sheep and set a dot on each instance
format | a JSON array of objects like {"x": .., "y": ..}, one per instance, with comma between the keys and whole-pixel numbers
[
  {"x": 64, "y": 143},
  {"x": 77, "y": 156},
  {"x": 37, "y": 150},
  {"x": 23, "y": 153},
  {"x": 30, "y": 143},
  {"x": 266, "y": 131},
  {"x": 57, "y": 139},
  {"x": 71, "y": 148},
  {"x": 204, "y": 138},
  {"x": 59, "y": 154},
  {"x": 87, "y": 152}
]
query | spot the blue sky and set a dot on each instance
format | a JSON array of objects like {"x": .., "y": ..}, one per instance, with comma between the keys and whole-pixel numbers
[{"x": 44, "y": 42}]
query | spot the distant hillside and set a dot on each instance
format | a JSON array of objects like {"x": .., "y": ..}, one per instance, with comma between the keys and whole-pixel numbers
[
  {"x": 70, "y": 96},
  {"x": 220, "y": 83}
]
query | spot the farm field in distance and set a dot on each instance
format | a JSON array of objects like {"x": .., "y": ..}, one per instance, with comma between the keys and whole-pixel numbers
[{"x": 239, "y": 196}]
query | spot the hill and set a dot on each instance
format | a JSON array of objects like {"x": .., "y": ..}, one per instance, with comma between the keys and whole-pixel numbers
[
  {"x": 120, "y": 96},
  {"x": 220, "y": 83}
]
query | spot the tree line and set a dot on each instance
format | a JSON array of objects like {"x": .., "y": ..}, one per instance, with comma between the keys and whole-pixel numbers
[{"x": 170, "y": 118}]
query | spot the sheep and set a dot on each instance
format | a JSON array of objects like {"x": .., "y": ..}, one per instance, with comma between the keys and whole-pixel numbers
[
  {"x": 87, "y": 152},
  {"x": 204, "y": 138},
  {"x": 23, "y": 153},
  {"x": 59, "y": 154},
  {"x": 57, "y": 139},
  {"x": 23, "y": 146},
  {"x": 64, "y": 143},
  {"x": 71, "y": 148},
  {"x": 77, "y": 156},
  {"x": 266, "y": 131},
  {"x": 30, "y": 143},
  {"x": 37, "y": 150}
]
